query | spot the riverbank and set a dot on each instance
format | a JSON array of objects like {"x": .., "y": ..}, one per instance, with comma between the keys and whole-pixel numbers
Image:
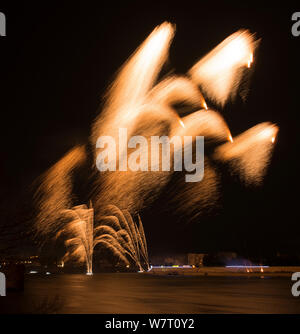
[{"x": 226, "y": 271}]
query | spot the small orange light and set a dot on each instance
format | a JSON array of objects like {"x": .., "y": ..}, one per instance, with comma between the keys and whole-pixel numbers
[{"x": 181, "y": 123}]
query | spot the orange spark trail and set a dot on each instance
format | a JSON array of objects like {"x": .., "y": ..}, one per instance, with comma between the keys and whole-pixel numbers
[
  {"x": 250, "y": 152},
  {"x": 219, "y": 73}
]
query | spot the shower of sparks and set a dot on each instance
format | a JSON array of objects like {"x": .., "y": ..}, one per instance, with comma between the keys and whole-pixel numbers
[
  {"x": 144, "y": 106},
  {"x": 116, "y": 231},
  {"x": 135, "y": 79},
  {"x": 220, "y": 72},
  {"x": 135, "y": 103},
  {"x": 176, "y": 89},
  {"x": 79, "y": 234},
  {"x": 191, "y": 200},
  {"x": 208, "y": 123},
  {"x": 127, "y": 106},
  {"x": 249, "y": 154},
  {"x": 55, "y": 191},
  {"x": 123, "y": 237}
]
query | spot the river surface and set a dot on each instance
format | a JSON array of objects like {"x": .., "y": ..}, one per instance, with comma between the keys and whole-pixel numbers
[{"x": 141, "y": 293}]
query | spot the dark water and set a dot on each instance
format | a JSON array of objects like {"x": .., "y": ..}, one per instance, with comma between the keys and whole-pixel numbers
[{"x": 138, "y": 293}]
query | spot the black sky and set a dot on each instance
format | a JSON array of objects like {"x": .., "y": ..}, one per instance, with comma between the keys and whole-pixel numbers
[{"x": 57, "y": 60}]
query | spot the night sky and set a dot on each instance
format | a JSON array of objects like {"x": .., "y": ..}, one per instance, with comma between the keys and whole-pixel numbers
[{"x": 57, "y": 61}]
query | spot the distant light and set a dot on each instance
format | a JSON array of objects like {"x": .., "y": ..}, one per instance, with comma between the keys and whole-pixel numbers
[
  {"x": 47, "y": 273},
  {"x": 127, "y": 266},
  {"x": 247, "y": 267},
  {"x": 33, "y": 272},
  {"x": 173, "y": 266},
  {"x": 61, "y": 265}
]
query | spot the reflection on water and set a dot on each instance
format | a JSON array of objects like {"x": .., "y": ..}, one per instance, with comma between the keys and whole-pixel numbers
[{"x": 140, "y": 293}]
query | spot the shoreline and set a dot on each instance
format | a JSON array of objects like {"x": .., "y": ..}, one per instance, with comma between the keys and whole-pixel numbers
[{"x": 282, "y": 271}]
